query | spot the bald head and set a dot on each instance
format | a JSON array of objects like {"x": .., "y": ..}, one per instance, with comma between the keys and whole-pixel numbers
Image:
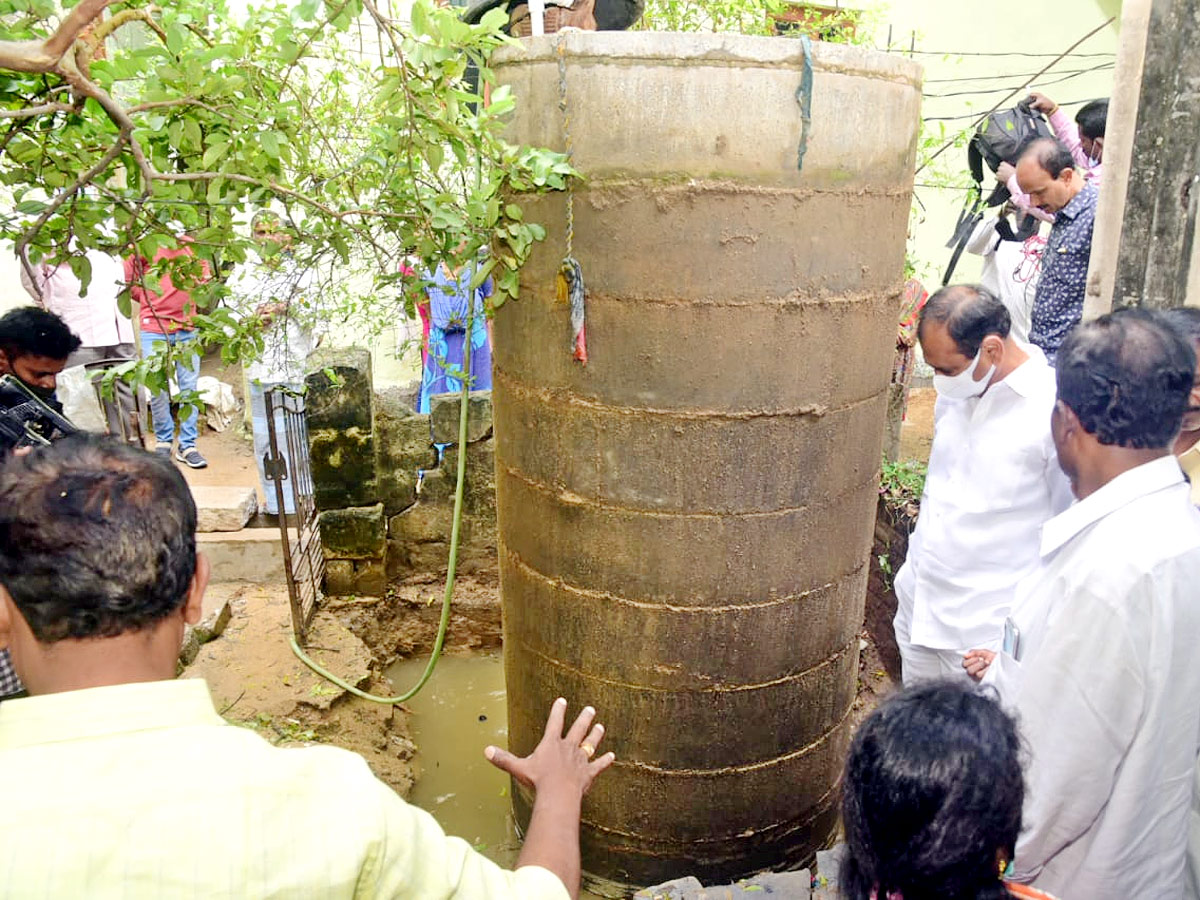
[
  {"x": 1046, "y": 172},
  {"x": 969, "y": 313}
]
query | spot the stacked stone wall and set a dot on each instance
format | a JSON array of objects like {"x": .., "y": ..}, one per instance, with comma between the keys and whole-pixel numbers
[{"x": 379, "y": 518}]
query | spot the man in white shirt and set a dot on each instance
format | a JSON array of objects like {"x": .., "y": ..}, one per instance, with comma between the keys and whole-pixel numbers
[
  {"x": 94, "y": 316},
  {"x": 993, "y": 480},
  {"x": 1100, "y": 663},
  {"x": 1010, "y": 268},
  {"x": 272, "y": 287}
]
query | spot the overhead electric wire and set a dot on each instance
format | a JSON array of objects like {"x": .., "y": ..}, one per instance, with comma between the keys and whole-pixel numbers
[
  {"x": 972, "y": 115},
  {"x": 950, "y": 143},
  {"x": 1014, "y": 76},
  {"x": 1025, "y": 83},
  {"x": 1013, "y": 52}
]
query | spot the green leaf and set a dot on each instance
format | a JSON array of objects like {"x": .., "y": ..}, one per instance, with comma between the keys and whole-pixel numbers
[
  {"x": 420, "y": 18},
  {"x": 269, "y": 141},
  {"x": 215, "y": 153},
  {"x": 191, "y": 130}
]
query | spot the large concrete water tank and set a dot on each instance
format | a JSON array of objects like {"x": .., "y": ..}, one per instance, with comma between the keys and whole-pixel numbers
[{"x": 685, "y": 522}]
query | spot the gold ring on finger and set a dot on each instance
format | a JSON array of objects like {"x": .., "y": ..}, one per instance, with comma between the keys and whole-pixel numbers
[{"x": 588, "y": 749}]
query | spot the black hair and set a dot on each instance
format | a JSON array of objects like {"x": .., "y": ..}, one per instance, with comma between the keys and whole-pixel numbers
[
  {"x": 30, "y": 331},
  {"x": 932, "y": 793},
  {"x": 1185, "y": 320},
  {"x": 1051, "y": 154},
  {"x": 1127, "y": 376},
  {"x": 97, "y": 538},
  {"x": 970, "y": 312},
  {"x": 1092, "y": 118}
]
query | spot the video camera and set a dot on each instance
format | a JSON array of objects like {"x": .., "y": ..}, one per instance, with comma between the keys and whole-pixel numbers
[{"x": 25, "y": 419}]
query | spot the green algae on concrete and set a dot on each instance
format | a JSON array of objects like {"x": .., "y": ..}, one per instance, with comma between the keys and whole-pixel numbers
[{"x": 358, "y": 532}]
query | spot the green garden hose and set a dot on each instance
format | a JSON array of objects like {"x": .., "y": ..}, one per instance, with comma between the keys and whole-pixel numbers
[{"x": 452, "y": 565}]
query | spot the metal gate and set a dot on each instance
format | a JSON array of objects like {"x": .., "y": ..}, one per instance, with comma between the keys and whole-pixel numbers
[{"x": 286, "y": 463}]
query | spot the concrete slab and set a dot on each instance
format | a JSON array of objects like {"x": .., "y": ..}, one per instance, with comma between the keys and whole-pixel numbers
[
  {"x": 224, "y": 508},
  {"x": 253, "y": 555}
]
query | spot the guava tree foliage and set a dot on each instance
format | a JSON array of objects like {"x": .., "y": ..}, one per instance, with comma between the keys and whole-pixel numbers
[
  {"x": 790, "y": 18},
  {"x": 124, "y": 124}
]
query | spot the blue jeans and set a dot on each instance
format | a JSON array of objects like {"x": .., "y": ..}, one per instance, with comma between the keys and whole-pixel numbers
[{"x": 187, "y": 372}]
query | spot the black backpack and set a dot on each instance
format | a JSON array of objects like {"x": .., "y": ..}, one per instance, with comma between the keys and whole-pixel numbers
[{"x": 1000, "y": 138}]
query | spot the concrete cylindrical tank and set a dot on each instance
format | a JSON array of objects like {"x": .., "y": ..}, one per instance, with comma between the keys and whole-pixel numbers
[{"x": 685, "y": 522}]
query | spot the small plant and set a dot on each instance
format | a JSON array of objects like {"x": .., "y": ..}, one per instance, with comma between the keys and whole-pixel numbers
[{"x": 902, "y": 481}]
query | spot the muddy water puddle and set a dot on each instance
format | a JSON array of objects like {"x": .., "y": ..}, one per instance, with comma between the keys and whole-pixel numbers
[{"x": 458, "y": 713}]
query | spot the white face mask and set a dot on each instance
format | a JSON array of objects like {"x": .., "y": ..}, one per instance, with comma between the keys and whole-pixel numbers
[{"x": 963, "y": 386}]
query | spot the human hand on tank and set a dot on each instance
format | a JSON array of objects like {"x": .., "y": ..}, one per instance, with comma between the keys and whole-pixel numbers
[
  {"x": 1005, "y": 171},
  {"x": 1042, "y": 103},
  {"x": 976, "y": 662},
  {"x": 557, "y": 762}
]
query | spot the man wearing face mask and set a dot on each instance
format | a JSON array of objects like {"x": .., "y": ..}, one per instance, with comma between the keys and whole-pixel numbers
[{"x": 993, "y": 480}]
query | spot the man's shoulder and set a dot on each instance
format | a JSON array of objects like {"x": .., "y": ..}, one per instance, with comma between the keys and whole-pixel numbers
[{"x": 1152, "y": 536}]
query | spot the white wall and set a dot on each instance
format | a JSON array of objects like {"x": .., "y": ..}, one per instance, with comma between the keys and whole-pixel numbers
[{"x": 951, "y": 38}]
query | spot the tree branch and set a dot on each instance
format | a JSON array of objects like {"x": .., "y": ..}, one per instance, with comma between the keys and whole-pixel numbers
[
  {"x": 119, "y": 20},
  {"x": 69, "y": 30},
  {"x": 30, "y": 112},
  {"x": 277, "y": 188}
]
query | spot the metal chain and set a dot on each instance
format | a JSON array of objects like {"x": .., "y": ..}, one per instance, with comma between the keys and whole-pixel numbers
[{"x": 570, "y": 146}]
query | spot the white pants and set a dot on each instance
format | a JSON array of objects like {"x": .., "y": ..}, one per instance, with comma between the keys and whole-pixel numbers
[{"x": 919, "y": 663}]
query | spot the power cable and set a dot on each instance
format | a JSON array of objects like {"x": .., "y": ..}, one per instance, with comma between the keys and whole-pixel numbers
[
  {"x": 972, "y": 115},
  {"x": 1016, "y": 53},
  {"x": 1014, "y": 76},
  {"x": 950, "y": 143},
  {"x": 1025, "y": 83}
]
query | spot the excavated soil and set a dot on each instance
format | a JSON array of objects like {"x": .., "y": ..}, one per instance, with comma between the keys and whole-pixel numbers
[{"x": 405, "y": 622}]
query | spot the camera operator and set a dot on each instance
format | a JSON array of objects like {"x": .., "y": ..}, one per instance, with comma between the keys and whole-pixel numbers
[{"x": 34, "y": 346}]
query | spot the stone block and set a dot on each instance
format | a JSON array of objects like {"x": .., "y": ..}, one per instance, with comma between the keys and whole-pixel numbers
[
  {"x": 404, "y": 446},
  {"x": 347, "y": 399},
  {"x": 221, "y": 508},
  {"x": 793, "y": 885},
  {"x": 789, "y": 885},
  {"x": 190, "y": 648},
  {"x": 370, "y": 577},
  {"x": 431, "y": 557},
  {"x": 207, "y": 629},
  {"x": 829, "y": 865},
  {"x": 422, "y": 523},
  {"x": 343, "y": 467},
  {"x": 356, "y": 533},
  {"x": 398, "y": 400},
  {"x": 679, "y": 889},
  {"x": 479, "y": 497},
  {"x": 444, "y": 415},
  {"x": 213, "y": 625},
  {"x": 339, "y": 577}
]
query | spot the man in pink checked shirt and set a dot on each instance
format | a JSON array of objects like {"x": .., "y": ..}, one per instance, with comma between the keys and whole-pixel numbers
[{"x": 1084, "y": 137}]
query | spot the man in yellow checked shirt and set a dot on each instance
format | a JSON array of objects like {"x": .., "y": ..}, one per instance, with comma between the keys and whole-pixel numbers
[{"x": 121, "y": 781}]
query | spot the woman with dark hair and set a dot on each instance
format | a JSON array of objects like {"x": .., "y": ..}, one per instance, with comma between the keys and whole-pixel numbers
[{"x": 932, "y": 799}]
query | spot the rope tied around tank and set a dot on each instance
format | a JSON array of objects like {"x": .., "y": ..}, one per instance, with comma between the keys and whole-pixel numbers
[
  {"x": 569, "y": 285},
  {"x": 804, "y": 98}
]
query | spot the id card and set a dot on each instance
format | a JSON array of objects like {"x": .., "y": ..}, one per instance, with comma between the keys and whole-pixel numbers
[{"x": 1012, "y": 639}]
